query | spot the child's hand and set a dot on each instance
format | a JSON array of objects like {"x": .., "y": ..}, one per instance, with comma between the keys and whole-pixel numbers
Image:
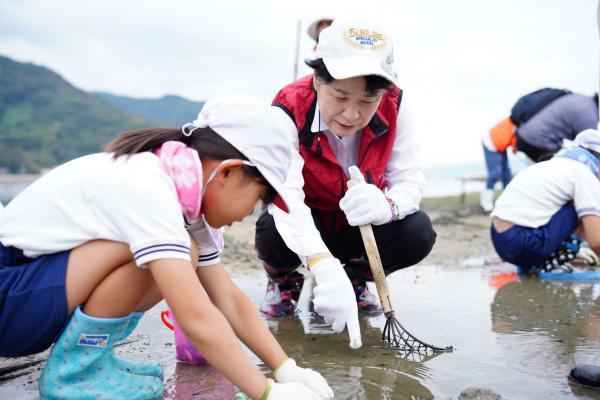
[
  {"x": 290, "y": 391},
  {"x": 288, "y": 371}
]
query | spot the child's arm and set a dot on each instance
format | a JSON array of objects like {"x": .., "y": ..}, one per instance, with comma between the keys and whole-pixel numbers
[
  {"x": 241, "y": 314},
  {"x": 251, "y": 329},
  {"x": 591, "y": 231},
  {"x": 206, "y": 327}
]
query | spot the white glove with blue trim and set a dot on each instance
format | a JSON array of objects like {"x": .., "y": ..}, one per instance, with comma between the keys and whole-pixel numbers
[{"x": 365, "y": 203}]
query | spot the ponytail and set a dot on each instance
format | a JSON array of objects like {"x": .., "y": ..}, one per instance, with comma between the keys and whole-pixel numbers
[{"x": 205, "y": 141}]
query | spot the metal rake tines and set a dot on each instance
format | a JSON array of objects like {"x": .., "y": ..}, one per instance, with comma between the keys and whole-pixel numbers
[{"x": 395, "y": 334}]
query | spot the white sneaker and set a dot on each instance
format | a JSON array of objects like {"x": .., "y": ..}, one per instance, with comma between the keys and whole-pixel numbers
[
  {"x": 586, "y": 256},
  {"x": 486, "y": 200}
]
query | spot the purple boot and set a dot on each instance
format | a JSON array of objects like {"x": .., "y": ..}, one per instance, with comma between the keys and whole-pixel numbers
[
  {"x": 365, "y": 300},
  {"x": 359, "y": 272},
  {"x": 282, "y": 295}
]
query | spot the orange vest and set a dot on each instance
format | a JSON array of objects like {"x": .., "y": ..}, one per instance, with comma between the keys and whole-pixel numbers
[{"x": 504, "y": 135}]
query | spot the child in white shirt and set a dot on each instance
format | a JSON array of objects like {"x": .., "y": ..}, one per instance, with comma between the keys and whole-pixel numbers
[
  {"x": 95, "y": 242},
  {"x": 540, "y": 218}
]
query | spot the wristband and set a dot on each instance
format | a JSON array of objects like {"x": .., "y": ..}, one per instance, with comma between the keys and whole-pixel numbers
[
  {"x": 279, "y": 367},
  {"x": 267, "y": 391},
  {"x": 313, "y": 262}
]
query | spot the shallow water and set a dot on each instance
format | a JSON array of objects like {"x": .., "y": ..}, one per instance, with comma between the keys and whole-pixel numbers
[{"x": 516, "y": 336}]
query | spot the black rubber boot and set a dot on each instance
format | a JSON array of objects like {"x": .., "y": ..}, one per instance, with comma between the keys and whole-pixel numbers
[{"x": 585, "y": 375}]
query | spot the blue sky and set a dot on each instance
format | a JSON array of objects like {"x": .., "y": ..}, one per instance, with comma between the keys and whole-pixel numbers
[{"x": 462, "y": 63}]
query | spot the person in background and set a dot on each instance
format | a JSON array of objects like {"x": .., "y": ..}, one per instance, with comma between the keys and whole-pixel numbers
[
  {"x": 350, "y": 111},
  {"x": 541, "y": 218},
  {"x": 314, "y": 29},
  {"x": 495, "y": 145},
  {"x": 543, "y": 134},
  {"x": 94, "y": 243}
]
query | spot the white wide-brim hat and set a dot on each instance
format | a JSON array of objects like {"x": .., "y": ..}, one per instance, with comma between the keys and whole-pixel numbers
[
  {"x": 351, "y": 49},
  {"x": 258, "y": 131}
]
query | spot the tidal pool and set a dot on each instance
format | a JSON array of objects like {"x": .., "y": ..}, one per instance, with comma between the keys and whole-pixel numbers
[
  {"x": 514, "y": 335},
  {"x": 517, "y": 336}
]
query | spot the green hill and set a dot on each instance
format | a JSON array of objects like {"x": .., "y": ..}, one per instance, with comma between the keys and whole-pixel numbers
[
  {"x": 45, "y": 121},
  {"x": 170, "y": 111}
]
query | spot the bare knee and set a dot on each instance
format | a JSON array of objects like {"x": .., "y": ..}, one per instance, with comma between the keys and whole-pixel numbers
[{"x": 89, "y": 264}]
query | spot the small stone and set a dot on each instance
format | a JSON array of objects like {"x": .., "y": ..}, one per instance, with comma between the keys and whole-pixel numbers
[{"x": 479, "y": 394}]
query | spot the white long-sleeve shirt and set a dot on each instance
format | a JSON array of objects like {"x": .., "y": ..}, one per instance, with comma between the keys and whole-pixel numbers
[{"x": 405, "y": 180}]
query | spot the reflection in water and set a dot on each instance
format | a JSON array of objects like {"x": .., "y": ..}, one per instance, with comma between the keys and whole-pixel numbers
[
  {"x": 566, "y": 312},
  {"x": 374, "y": 371},
  {"x": 548, "y": 325},
  {"x": 516, "y": 336},
  {"x": 198, "y": 382}
]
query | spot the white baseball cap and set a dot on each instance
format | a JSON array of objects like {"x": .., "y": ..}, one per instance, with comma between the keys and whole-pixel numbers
[
  {"x": 256, "y": 129},
  {"x": 351, "y": 49},
  {"x": 589, "y": 139}
]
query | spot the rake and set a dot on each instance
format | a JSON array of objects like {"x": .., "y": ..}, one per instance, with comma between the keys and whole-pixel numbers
[{"x": 394, "y": 334}]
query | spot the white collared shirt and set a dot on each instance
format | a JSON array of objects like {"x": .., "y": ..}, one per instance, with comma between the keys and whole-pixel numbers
[
  {"x": 539, "y": 191},
  {"x": 405, "y": 180},
  {"x": 129, "y": 199}
]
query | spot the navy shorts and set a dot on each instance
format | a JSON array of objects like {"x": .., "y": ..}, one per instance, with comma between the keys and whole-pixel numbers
[
  {"x": 33, "y": 301},
  {"x": 527, "y": 247}
]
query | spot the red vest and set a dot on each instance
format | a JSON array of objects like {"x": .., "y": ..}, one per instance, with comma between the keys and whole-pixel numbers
[{"x": 324, "y": 177}]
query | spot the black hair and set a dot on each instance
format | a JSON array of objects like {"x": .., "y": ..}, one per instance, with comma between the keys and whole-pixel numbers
[
  {"x": 205, "y": 141},
  {"x": 375, "y": 83}
]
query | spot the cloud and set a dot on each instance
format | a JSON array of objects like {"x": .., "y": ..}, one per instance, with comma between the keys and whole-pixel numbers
[{"x": 462, "y": 63}]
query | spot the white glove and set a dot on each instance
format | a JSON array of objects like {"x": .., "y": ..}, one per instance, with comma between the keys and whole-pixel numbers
[
  {"x": 291, "y": 391},
  {"x": 335, "y": 299},
  {"x": 587, "y": 256},
  {"x": 288, "y": 371},
  {"x": 365, "y": 203}
]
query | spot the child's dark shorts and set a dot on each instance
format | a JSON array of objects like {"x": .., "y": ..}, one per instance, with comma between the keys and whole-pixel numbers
[
  {"x": 527, "y": 247},
  {"x": 33, "y": 301}
]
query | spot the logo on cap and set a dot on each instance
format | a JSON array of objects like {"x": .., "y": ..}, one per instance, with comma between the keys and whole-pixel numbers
[{"x": 365, "y": 39}]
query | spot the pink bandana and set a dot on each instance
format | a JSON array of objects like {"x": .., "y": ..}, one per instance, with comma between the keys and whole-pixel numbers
[{"x": 183, "y": 166}]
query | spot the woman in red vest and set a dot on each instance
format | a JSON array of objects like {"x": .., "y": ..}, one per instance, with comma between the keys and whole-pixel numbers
[{"x": 350, "y": 111}]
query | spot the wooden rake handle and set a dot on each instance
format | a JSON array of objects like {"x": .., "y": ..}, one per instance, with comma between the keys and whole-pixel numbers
[{"x": 374, "y": 261}]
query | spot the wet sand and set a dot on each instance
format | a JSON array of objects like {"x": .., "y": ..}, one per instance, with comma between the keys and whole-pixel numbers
[{"x": 514, "y": 338}]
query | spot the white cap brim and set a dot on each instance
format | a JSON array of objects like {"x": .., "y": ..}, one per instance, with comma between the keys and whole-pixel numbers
[
  {"x": 350, "y": 67},
  {"x": 280, "y": 200}
]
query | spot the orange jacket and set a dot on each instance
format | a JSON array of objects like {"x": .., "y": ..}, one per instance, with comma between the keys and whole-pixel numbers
[{"x": 504, "y": 135}]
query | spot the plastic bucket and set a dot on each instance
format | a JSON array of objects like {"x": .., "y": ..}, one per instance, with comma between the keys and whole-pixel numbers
[{"x": 185, "y": 351}]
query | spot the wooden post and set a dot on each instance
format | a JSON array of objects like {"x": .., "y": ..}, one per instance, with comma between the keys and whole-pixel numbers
[{"x": 297, "y": 56}]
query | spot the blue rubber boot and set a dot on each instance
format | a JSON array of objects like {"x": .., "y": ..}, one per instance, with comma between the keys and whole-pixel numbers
[
  {"x": 78, "y": 367},
  {"x": 149, "y": 368}
]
